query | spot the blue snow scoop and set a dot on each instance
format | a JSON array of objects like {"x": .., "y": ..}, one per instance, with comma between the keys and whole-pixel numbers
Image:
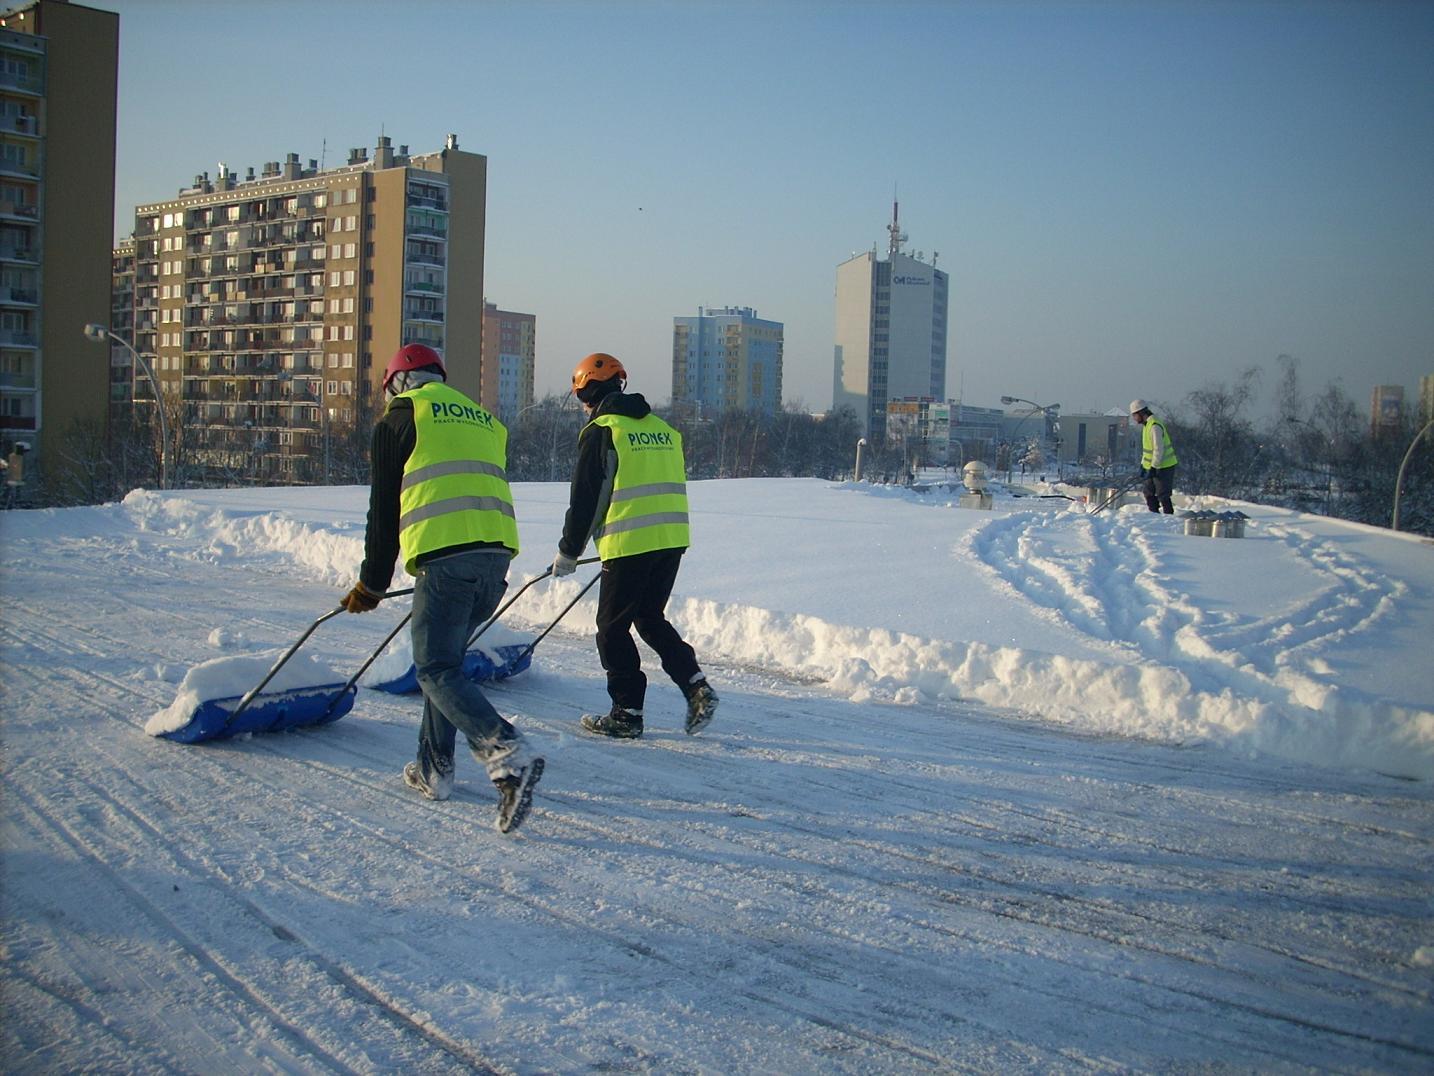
[
  {"x": 319, "y": 704},
  {"x": 503, "y": 661}
]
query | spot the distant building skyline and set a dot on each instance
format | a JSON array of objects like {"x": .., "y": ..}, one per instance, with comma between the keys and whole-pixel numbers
[
  {"x": 727, "y": 358},
  {"x": 891, "y": 326}
]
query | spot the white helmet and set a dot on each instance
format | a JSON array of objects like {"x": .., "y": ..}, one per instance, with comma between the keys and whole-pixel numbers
[{"x": 1137, "y": 406}]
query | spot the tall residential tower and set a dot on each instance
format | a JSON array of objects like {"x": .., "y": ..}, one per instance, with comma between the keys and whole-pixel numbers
[
  {"x": 727, "y": 359},
  {"x": 59, "y": 63},
  {"x": 272, "y": 303},
  {"x": 890, "y": 331}
]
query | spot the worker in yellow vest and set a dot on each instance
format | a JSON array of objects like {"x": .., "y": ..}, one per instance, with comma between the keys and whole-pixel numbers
[
  {"x": 1157, "y": 458},
  {"x": 629, "y": 495},
  {"x": 440, "y": 498}
]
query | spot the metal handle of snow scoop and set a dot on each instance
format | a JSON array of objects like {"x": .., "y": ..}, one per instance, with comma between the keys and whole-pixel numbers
[
  {"x": 1120, "y": 491},
  {"x": 354, "y": 679},
  {"x": 485, "y": 626},
  {"x": 284, "y": 658},
  {"x": 534, "y": 644},
  {"x": 516, "y": 595}
]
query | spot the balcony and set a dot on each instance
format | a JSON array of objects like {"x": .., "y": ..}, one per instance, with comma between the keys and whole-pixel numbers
[
  {"x": 30, "y": 84},
  {"x": 24, "y": 169},
  {"x": 21, "y": 211},
  {"x": 422, "y": 287},
  {"x": 423, "y": 259},
  {"x": 19, "y": 297},
  {"x": 18, "y": 338},
  {"x": 25, "y": 255}
]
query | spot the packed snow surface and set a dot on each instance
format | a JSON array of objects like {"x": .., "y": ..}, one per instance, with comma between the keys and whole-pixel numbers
[{"x": 1026, "y": 789}]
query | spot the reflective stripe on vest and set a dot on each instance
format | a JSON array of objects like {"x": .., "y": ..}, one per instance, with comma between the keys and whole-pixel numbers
[
  {"x": 1167, "y": 457},
  {"x": 648, "y": 507},
  {"x": 455, "y": 483}
]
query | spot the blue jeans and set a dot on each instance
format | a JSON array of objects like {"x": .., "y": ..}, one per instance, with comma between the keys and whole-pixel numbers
[{"x": 451, "y": 597}]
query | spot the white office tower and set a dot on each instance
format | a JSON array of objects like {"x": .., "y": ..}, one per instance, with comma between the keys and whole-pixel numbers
[{"x": 890, "y": 331}]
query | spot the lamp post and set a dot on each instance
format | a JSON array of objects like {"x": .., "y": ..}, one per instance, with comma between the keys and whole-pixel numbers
[
  {"x": 860, "y": 444},
  {"x": 1047, "y": 409},
  {"x": 1399, "y": 479},
  {"x": 99, "y": 334}
]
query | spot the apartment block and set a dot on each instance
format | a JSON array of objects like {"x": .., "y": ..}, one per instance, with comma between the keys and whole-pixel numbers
[
  {"x": 1386, "y": 410},
  {"x": 271, "y": 303},
  {"x": 509, "y": 352},
  {"x": 890, "y": 331},
  {"x": 59, "y": 64},
  {"x": 725, "y": 359},
  {"x": 122, "y": 373}
]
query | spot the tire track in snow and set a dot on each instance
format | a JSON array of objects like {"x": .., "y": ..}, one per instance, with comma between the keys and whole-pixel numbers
[
  {"x": 401, "y": 845},
  {"x": 407, "y": 1023},
  {"x": 1017, "y": 905},
  {"x": 448, "y": 867},
  {"x": 44, "y": 818}
]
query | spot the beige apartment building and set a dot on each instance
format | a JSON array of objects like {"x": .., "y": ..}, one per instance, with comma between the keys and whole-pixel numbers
[
  {"x": 509, "y": 352},
  {"x": 59, "y": 63},
  {"x": 270, "y": 304}
]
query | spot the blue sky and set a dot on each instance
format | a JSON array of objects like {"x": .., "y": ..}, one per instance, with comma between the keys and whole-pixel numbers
[{"x": 1131, "y": 199}]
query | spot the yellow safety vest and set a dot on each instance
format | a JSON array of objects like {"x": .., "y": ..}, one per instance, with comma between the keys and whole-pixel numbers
[
  {"x": 648, "y": 508},
  {"x": 455, "y": 483},
  {"x": 1147, "y": 447}
]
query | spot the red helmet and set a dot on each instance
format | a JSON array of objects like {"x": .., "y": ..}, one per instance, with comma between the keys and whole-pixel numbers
[{"x": 413, "y": 357}]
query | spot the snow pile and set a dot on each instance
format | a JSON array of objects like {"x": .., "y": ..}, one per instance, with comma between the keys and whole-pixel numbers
[{"x": 233, "y": 677}]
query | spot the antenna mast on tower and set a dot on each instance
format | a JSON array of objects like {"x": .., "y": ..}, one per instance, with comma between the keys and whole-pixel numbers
[{"x": 894, "y": 230}]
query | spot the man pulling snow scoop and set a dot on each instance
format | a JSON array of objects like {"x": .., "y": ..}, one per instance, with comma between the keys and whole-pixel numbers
[{"x": 440, "y": 497}]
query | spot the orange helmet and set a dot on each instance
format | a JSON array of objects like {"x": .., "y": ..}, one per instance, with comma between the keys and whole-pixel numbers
[{"x": 599, "y": 366}]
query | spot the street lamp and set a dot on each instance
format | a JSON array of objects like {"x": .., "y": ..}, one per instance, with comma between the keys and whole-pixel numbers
[
  {"x": 860, "y": 444},
  {"x": 99, "y": 334},
  {"x": 1048, "y": 409},
  {"x": 1399, "y": 479}
]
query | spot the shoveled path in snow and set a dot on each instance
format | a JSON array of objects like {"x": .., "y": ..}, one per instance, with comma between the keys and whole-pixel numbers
[{"x": 813, "y": 885}]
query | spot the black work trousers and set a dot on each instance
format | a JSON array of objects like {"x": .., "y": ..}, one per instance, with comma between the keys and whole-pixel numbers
[
  {"x": 633, "y": 594},
  {"x": 1159, "y": 484}
]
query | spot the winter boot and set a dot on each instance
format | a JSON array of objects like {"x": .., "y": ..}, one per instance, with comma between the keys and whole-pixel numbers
[
  {"x": 514, "y": 768},
  {"x": 619, "y": 722},
  {"x": 515, "y": 795},
  {"x": 701, "y": 706},
  {"x": 436, "y": 785}
]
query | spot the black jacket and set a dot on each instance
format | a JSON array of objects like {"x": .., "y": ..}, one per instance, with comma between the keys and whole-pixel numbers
[{"x": 594, "y": 471}]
